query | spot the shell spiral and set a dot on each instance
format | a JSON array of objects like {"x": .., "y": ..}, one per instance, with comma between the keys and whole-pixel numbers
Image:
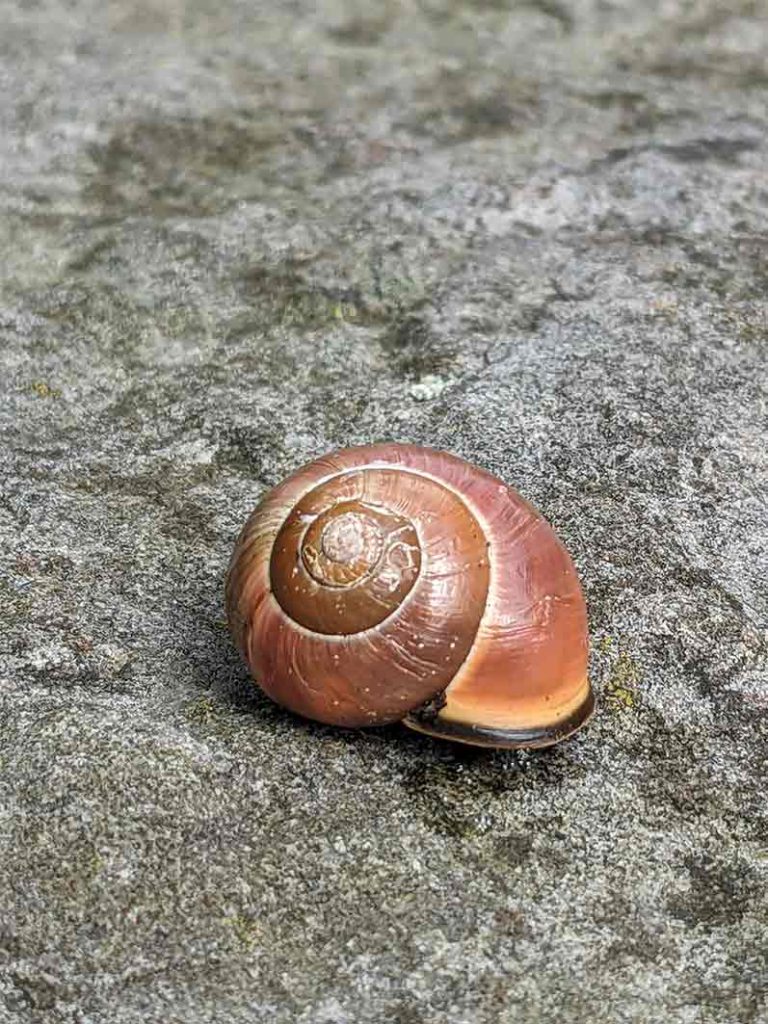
[{"x": 394, "y": 582}]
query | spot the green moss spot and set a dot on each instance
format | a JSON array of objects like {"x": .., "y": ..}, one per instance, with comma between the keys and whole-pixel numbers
[
  {"x": 623, "y": 681},
  {"x": 201, "y": 711},
  {"x": 247, "y": 930},
  {"x": 44, "y": 390},
  {"x": 92, "y": 866}
]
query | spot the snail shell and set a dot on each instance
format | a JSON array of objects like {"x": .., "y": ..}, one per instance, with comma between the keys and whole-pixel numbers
[{"x": 394, "y": 582}]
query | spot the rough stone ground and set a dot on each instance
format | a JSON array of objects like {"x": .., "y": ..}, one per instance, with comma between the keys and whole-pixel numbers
[{"x": 236, "y": 235}]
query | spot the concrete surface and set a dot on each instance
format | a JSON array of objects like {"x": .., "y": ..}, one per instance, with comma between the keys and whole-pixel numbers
[{"x": 236, "y": 235}]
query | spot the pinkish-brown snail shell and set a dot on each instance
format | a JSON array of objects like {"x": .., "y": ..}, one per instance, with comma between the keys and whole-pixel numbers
[{"x": 394, "y": 583}]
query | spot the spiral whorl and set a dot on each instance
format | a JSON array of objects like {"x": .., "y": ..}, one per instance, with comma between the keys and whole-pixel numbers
[{"x": 391, "y": 579}]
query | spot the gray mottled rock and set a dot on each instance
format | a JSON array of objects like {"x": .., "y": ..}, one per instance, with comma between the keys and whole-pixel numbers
[{"x": 236, "y": 235}]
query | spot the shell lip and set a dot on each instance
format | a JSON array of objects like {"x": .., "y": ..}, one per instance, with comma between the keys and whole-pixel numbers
[{"x": 511, "y": 739}]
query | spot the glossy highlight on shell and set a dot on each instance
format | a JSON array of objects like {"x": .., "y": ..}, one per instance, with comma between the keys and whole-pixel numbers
[{"x": 399, "y": 583}]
